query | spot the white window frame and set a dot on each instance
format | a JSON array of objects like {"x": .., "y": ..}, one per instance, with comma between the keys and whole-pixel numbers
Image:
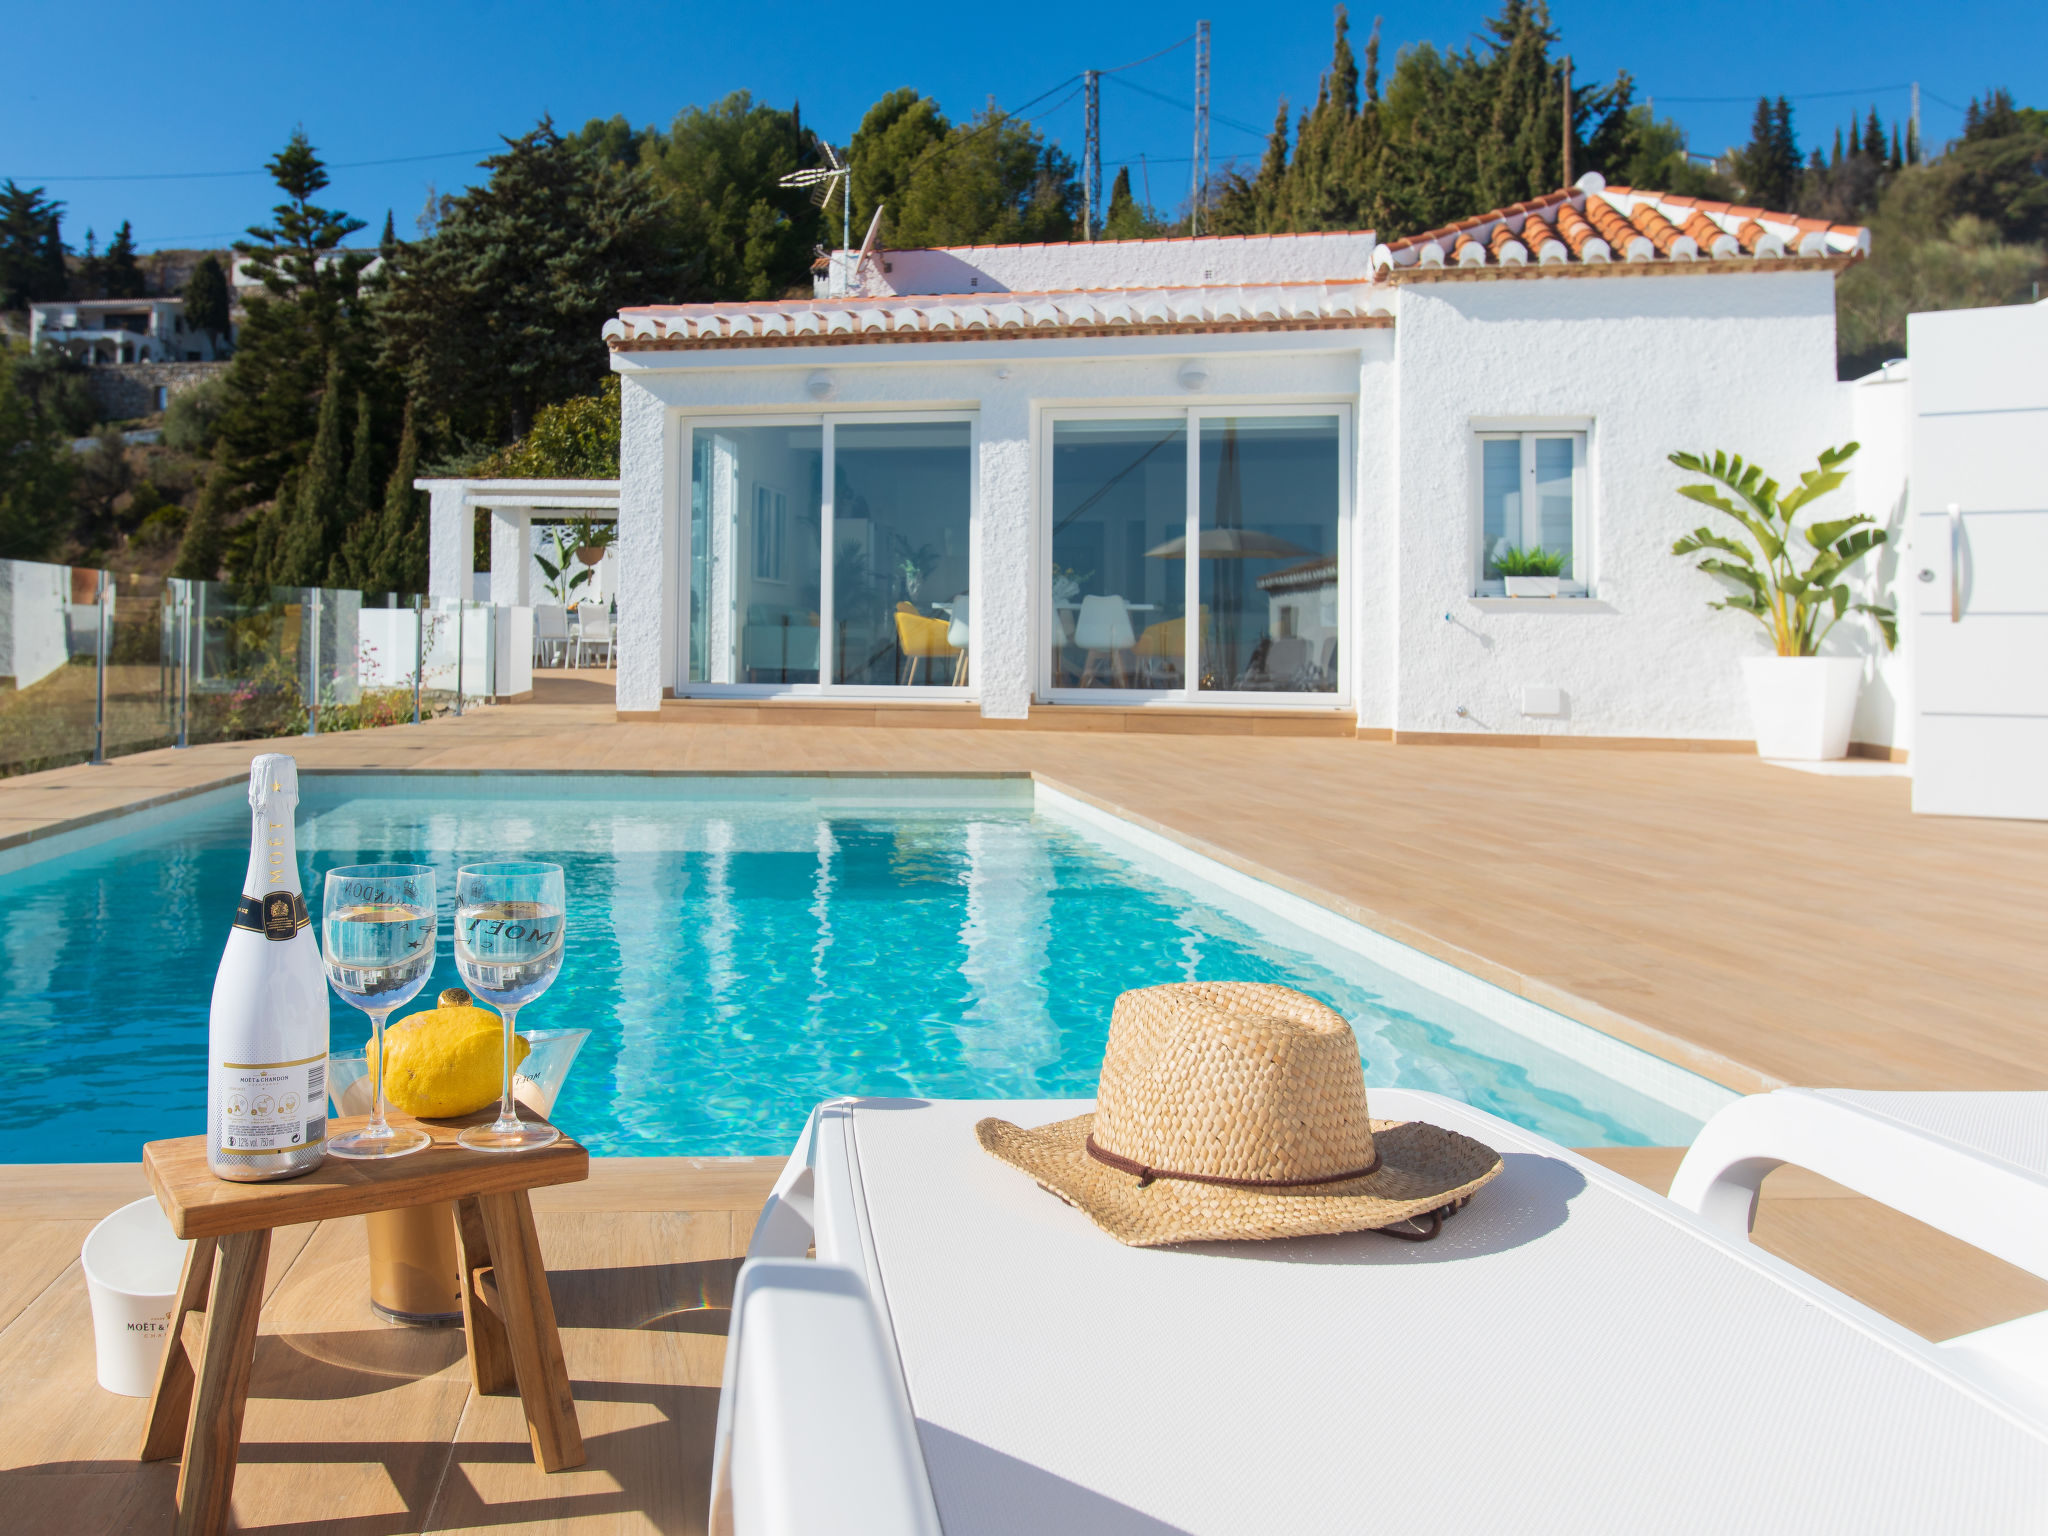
[
  {"x": 827, "y": 650},
  {"x": 1191, "y": 694},
  {"x": 1580, "y": 582}
]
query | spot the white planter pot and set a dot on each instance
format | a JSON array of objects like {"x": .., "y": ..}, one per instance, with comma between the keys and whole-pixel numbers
[
  {"x": 1801, "y": 706},
  {"x": 1532, "y": 586}
]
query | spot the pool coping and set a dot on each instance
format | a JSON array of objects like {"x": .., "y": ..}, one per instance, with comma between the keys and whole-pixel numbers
[{"x": 1700, "y": 1060}]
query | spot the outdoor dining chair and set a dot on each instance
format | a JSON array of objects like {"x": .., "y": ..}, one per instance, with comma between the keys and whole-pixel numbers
[
  {"x": 551, "y": 635},
  {"x": 593, "y": 633}
]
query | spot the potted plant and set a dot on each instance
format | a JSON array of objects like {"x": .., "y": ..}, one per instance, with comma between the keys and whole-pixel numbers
[
  {"x": 1529, "y": 572},
  {"x": 593, "y": 539},
  {"x": 562, "y": 580},
  {"x": 1793, "y": 582}
]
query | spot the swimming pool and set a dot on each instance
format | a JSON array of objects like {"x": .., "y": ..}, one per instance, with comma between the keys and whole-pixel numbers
[{"x": 744, "y": 947}]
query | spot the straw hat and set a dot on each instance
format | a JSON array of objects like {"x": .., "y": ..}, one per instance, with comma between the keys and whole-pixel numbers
[{"x": 1237, "y": 1110}]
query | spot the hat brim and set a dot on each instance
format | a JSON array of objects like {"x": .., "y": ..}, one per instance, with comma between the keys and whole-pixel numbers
[{"x": 1423, "y": 1167}]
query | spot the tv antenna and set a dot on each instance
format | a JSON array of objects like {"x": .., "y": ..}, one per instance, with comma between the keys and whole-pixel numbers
[{"x": 823, "y": 181}]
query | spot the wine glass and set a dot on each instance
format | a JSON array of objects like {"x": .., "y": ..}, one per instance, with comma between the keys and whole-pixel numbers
[
  {"x": 378, "y": 926},
  {"x": 509, "y": 926}
]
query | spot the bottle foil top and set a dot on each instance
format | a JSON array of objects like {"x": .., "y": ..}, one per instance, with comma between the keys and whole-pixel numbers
[{"x": 273, "y": 780}]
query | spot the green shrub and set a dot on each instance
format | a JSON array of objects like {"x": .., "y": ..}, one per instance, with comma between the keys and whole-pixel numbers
[
  {"x": 1529, "y": 562},
  {"x": 194, "y": 417}
]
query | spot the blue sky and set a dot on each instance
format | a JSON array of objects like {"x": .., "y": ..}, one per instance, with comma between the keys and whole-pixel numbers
[{"x": 127, "y": 91}]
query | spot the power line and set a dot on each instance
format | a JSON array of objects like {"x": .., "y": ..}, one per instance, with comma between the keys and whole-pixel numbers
[
  {"x": 332, "y": 165},
  {"x": 1162, "y": 53},
  {"x": 1228, "y": 122},
  {"x": 1861, "y": 90}
]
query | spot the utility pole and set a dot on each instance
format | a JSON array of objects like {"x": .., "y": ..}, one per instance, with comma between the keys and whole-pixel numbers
[
  {"x": 1091, "y": 157},
  {"x": 1201, "y": 126},
  {"x": 1918, "y": 148},
  {"x": 1567, "y": 119}
]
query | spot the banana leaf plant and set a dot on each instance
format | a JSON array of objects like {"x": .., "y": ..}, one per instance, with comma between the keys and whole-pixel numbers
[
  {"x": 563, "y": 580},
  {"x": 1798, "y": 599}
]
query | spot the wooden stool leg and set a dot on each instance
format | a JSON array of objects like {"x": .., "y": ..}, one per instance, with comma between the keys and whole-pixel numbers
[
  {"x": 528, "y": 1312},
  {"x": 163, "y": 1432},
  {"x": 490, "y": 1356},
  {"x": 206, "y": 1482}
]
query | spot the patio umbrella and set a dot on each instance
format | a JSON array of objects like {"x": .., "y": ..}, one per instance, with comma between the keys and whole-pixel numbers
[{"x": 1231, "y": 544}]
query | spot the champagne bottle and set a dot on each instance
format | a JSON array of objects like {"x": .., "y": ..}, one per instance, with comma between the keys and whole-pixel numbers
[{"x": 266, "y": 1081}]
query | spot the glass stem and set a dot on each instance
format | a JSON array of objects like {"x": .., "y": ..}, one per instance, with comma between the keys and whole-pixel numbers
[
  {"x": 377, "y": 1126},
  {"x": 508, "y": 1117}
]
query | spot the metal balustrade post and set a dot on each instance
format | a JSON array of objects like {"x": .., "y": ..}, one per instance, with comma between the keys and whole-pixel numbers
[
  {"x": 184, "y": 592},
  {"x": 419, "y": 653},
  {"x": 313, "y": 674},
  {"x": 461, "y": 654},
  {"x": 99, "y": 692}
]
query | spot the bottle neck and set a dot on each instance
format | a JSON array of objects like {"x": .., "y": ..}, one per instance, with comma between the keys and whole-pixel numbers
[{"x": 273, "y": 855}]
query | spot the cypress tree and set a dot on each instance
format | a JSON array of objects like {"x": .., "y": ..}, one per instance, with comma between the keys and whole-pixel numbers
[
  {"x": 1873, "y": 136},
  {"x": 206, "y": 300},
  {"x": 1835, "y": 158},
  {"x": 354, "y": 561},
  {"x": 205, "y": 543},
  {"x": 309, "y": 532},
  {"x": 1521, "y": 152},
  {"x": 1898, "y": 154},
  {"x": 402, "y": 529}
]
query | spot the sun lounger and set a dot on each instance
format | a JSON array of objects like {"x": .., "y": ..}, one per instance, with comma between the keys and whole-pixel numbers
[
  {"x": 1973, "y": 1165},
  {"x": 1572, "y": 1354}
]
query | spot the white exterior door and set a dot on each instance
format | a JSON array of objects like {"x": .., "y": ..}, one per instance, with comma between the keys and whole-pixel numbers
[{"x": 1979, "y": 561}]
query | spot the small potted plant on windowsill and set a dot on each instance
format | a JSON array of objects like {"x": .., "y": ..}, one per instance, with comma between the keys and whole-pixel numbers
[
  {"x": 1801, "y": 703},
  {"x": 1536, "y": 572}
]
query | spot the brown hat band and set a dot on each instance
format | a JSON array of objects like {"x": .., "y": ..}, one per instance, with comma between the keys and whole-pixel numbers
[{"x": 1147, "y": 1175}]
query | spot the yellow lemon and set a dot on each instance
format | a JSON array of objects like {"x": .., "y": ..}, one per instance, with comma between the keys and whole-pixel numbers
[{"x": 446, "y": 1061}]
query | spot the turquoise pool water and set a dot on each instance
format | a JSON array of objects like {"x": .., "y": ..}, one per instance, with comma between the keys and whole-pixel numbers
[{"x": 740, "y": 950}]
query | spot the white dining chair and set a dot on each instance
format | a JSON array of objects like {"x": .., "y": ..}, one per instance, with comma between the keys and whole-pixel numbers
[
  {"x": 594, "y": 633},
  {"x": 551, "y": 634},
  {"x": 1103, "y": 631}
]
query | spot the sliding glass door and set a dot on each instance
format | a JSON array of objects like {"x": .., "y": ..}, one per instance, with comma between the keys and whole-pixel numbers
[
  {"x": 890, "y": 498},
  {"x": 1235, "y": 516}
]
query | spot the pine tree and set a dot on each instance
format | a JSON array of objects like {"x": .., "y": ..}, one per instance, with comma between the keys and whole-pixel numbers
[
  {"x": 121, "y": 276},
  {"x": 31, "y": 247},
  {"x": 307, "y": 322},
  {"x": 499, "y": 312},
  {"x": 1768, "y": 165}
]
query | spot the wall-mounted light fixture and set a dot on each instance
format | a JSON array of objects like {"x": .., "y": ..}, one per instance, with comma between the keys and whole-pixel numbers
[
  {"x": 1193, "y": 377},
  {"x": 821, "y": 386}
]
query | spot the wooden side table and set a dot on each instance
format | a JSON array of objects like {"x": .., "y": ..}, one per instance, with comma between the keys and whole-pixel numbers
[{"x": 509, "y": 1318}]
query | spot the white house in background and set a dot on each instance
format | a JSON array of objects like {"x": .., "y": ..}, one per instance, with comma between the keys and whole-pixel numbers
[
  {"x": 106, "y": 332},
  {"x": 977, "y": 485}
]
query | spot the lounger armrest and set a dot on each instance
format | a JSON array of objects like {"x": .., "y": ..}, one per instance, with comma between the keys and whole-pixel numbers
[
  {"x": 1981, "y": 1199},
  {"x": 821, "y": 1439}
]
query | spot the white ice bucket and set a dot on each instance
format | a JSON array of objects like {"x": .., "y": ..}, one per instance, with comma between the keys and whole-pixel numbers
[{"x": 132, "y": 1262}]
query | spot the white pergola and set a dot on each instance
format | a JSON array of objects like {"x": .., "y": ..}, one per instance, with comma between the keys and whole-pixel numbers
[{"x": 513, "y": 506}]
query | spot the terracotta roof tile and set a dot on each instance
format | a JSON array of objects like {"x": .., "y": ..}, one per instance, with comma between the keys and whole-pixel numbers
[{"x": 1596, "y": 223}]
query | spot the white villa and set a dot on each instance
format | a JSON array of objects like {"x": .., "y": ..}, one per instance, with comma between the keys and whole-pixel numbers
[
  {"x": 111, "y": 332},
  {"x": 973, "y": 485}
]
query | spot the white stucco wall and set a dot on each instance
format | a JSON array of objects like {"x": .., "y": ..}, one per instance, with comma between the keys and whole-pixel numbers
[
  {"x": 647, "y": 548},
  {"x": 1743, "y": 362},
  {"x": 1127, "y": 264},
  {"x": 1881, "y": 413}
]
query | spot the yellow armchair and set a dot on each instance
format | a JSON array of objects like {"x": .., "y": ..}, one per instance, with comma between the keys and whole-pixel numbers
[{"x": 920, "y": 639}]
